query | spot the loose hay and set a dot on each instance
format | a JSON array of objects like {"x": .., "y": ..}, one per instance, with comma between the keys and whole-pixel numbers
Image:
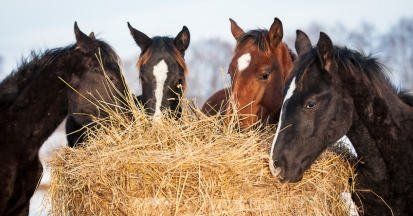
[{"x": 195, "y": 165}]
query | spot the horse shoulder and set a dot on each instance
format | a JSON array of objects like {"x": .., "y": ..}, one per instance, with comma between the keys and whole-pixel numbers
[{"x": 216, "y": 104}]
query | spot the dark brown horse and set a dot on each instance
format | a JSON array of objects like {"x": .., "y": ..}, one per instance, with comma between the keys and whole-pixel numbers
[
  {"x": 162, "y": 71},
  {"x": 34, "y": 100},
  {"x": 260, "y": 65},
  {"x": 336, "y": 91}
]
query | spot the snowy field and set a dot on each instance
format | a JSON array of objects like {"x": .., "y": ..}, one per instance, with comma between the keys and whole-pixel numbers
[{"x": 39, "y": 204}]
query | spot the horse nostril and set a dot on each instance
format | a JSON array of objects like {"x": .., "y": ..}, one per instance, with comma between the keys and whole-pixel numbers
[{"x": 278, "y": 172}]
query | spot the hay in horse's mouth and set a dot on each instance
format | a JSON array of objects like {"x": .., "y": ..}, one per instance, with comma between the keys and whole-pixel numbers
[{"x": 194, "y": 165}]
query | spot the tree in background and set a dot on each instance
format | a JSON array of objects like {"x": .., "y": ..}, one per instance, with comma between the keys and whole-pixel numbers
[
  {"x": 208, "y": 62},
  {"x": 397, "y": 48},
  {"x": 132, "y": 75}
]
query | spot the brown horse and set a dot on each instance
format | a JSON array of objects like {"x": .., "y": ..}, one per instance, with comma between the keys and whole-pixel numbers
[{"x": 260, "y": 65}]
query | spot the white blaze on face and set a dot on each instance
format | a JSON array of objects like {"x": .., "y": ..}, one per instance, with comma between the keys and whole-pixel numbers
[
  {"x": 160, "y": 72},
  {"x": 290, "y": 92},
  {"x": 243, "y": 61}
]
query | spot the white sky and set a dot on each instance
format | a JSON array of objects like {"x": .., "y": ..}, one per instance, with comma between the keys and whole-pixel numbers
[{"x": 40, "y": 24}]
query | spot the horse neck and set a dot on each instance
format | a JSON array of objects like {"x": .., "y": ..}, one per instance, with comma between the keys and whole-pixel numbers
[
  {"x": 383, "y": 119},
  {"x": 371, "y": 159},
  {"x": 40, "y": 105}
]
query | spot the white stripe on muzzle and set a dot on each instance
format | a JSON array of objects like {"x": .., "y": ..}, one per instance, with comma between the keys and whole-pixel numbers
[{"x": 290, "y": 92}]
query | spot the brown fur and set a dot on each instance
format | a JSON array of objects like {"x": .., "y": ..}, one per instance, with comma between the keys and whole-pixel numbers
[
  {"x": 217, "y": 103},
  {"x": 257, "y": 99}
]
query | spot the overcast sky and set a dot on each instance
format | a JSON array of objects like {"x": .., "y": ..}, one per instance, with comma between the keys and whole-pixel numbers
[{"x": 27, "y": 25}]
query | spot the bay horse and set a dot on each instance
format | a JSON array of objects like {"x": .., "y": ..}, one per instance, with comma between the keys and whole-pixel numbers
[
  {"x": 35, "y": 98},
  {"x": 259, "y": 68},
  {"x": 162, "y": 71},
  {"x": 336, "y": 91}
]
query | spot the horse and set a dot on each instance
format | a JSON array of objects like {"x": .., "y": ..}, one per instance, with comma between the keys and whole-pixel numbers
[
  {"x": 35, "y": 98},
  {"x": 217, "y": 103},
  {"x": 162, "y": 71},
  {"x": 92, "y": 88},
  {"x": 259, "y": 68},
  {"x": 334, "y": 91}
]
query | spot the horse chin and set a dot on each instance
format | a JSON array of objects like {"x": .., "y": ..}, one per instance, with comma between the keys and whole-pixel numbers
[
  {"x": 288, "y": 177},
  {"x": 291, "y": 179}
]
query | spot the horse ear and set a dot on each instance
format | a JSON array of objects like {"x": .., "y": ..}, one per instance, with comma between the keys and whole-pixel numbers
[
  {"x": 140, "y": 38},
  {"x": 236, "y": 31},
  {"x": 325, "y": 50},
  {"x": 275, "y": 35},
  {"x": 302, "y": 43},
  {"x": 84, "y": 42},
  {"x": 181, "y": 41},
  {"x": 92, "y": 36}
]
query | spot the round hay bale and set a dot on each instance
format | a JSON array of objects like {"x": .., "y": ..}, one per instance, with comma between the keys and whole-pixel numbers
[{"x": 196, "y": 165}]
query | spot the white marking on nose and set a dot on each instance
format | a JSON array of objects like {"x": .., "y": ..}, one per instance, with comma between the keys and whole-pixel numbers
[
  {"x": 160, "y": 72},
  {"x": 290, "y": 92},
  {"x": 243, "y": 61},
  {"x": 348, "y": 201}
]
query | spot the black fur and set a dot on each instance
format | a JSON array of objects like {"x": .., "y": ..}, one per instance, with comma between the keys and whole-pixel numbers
[
  {"x": 153, "y": 51},
  {"x": 34, "y": 100},
  {"x": 341, "y": 91}
]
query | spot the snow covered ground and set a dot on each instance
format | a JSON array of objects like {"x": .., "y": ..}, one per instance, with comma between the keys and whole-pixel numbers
[{"x": 39, "y": 204}]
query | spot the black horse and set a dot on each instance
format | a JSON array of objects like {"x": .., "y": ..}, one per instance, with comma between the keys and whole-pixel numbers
[
  {"x": 36, "y": 98},
  {"x": 162, "y": 71},
  {"x": 336, "y": 91}
]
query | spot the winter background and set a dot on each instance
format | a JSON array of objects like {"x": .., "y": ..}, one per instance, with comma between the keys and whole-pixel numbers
[{"x": 381, "y": 28}]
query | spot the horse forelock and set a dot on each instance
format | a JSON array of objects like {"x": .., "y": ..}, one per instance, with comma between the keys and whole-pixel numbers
[{"x": 170, "y": 49}]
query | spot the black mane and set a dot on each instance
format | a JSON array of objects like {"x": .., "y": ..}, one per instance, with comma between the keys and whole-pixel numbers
[
  {"x": 350, "y": 60},
  {"x": 34, "y": 65}
]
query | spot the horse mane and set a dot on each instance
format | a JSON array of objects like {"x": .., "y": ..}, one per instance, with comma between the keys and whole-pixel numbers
[
  {"x": 259, "y": 37},
  {"x": 33, "y": 65},
  {"x": 367, "y": 64},
  {"x": 163, "y": 43},
  {"x": 29, "y": 68},
  {"x": 350, "y": 60}
]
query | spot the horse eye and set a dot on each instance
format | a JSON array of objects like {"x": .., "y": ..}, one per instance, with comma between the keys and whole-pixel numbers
[
  {"x": 310, "y": 105},
  {"x": 265, "y": 76}
]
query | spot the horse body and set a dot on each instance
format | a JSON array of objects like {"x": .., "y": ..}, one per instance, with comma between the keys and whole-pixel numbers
[
  {"x": 258, "y": 70},
  {"x": 33, "y": 102},
  {"x": 386, "y": 169},
  {"x": 26, "y": 124},
  {"x": 336, "y": 91}
]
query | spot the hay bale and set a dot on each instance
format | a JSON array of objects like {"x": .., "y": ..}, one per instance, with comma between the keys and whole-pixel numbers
[{"x": 195, "y": 165}]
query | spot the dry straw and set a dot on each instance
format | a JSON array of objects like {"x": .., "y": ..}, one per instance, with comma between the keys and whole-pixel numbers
[{"x": 195, "y": 165}]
